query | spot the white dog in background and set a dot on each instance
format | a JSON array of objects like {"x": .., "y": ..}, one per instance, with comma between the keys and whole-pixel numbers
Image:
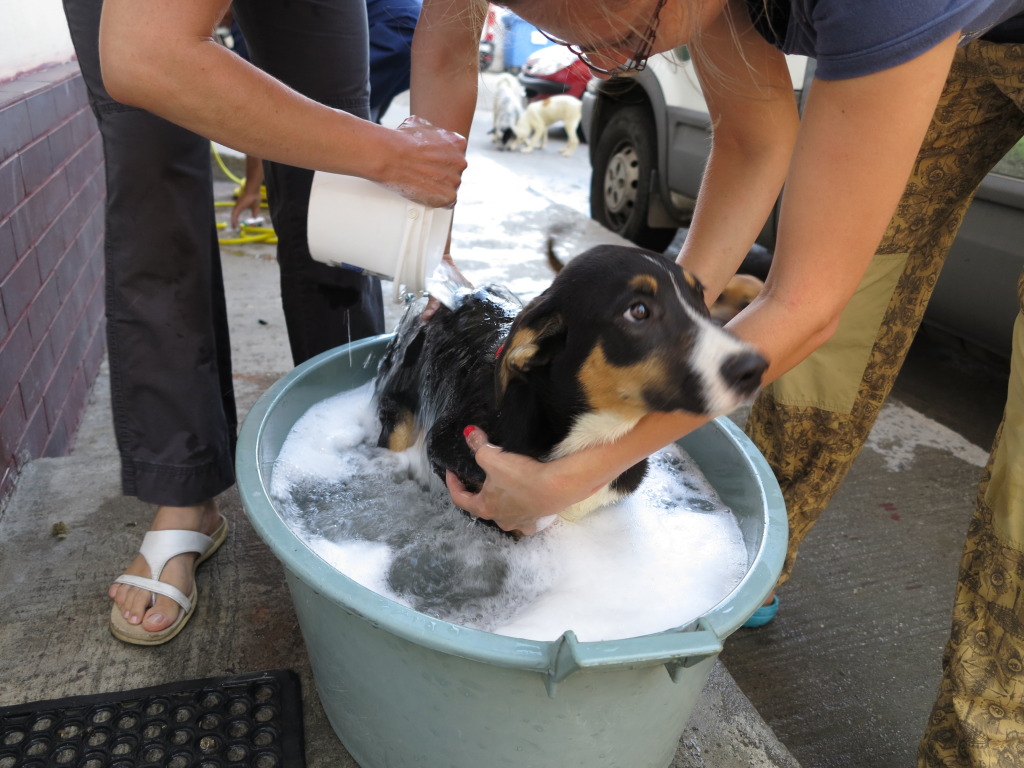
[
  {"x": 509, "y": 110},
  {"x": 542, "y": 114}
]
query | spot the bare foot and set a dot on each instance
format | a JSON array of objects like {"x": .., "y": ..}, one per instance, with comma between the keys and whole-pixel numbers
[{"x": 134, "y": 603}]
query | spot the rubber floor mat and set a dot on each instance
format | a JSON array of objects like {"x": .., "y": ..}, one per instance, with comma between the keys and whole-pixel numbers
[{"x": 242, "y": 721}]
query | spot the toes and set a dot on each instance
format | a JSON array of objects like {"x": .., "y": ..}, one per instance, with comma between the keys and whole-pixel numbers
[
  {"x": 136, "y": 605},
  {"x": 136, "y": 608},
  {"x": 133, "y": 602},
  {"x": 161, "y": 615}
]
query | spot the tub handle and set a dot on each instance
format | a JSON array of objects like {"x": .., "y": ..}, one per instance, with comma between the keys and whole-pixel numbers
[{"x": 678, "y": 651}]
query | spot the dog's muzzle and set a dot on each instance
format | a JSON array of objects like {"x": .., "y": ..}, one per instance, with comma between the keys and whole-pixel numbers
[{"x": 743, "y": 372}]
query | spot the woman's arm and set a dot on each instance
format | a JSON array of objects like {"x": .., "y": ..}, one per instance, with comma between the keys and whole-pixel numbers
[
  {"x": 519, "y": 490},
  {"x": 444, "y": 77},
  {"x": 162, "y": 56},
  {"x": 754, "y": 119},
  {"x": 856, "y": 147},
  {"x": 853, "y": 153},
  {"x": 446, "y": 62},
  {"x": 845, "y": 164}
]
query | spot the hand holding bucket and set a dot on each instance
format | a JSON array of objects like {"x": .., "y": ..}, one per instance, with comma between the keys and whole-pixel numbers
[{"x": 361, "y": 225}]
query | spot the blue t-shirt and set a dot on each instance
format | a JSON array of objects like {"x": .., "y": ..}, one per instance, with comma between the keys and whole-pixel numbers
[{"x": 850, "y": 39}]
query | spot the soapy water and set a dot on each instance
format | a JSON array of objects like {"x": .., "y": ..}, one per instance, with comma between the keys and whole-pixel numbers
[{"x": 656, "y": 561}]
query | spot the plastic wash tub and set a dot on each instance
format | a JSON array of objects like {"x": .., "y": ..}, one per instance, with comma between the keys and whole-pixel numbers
[{"x": 404, "y": 690}]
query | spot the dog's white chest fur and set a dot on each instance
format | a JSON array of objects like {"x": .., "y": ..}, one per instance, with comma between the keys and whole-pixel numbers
[{"x": 593, "y": 429}]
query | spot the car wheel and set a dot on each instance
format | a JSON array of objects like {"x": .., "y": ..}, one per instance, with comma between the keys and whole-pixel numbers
[{"x": 620, "y": 184}]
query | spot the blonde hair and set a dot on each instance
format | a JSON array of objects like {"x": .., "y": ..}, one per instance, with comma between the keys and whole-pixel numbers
[{"x": 731, "y": 80}]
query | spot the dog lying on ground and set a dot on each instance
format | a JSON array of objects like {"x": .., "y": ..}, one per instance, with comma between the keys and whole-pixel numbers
[
  {"x": 621, "y": 332},
  {"x": 541, "y": 115},
  {"x": 735, "y": 297},
  {"x": 508, "y": 111}
]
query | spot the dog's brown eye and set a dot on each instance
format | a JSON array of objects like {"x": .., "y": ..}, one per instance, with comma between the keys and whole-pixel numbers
[{"x": 638, "y": 312}]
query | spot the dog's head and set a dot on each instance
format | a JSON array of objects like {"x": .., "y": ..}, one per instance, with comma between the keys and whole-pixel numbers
[
  {"x": 508, "y": 136},
  {"x": 630, "y": 329},
  {"x": 507, "y": 133}
]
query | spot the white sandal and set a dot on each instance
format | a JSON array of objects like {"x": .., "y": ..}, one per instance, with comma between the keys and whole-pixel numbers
[{"x": 157, "y": 548}]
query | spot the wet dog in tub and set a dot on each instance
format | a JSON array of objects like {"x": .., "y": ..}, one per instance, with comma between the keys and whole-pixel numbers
[{"x": 621, "y": 332}]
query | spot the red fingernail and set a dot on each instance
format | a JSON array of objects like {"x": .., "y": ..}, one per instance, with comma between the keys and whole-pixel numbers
[
  {"x": 468, "y": 431},
  {"x": 500, "y": 350}
]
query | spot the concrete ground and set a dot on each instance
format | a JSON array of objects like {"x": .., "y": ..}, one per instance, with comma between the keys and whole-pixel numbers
[{"x": 67, "y": 530}]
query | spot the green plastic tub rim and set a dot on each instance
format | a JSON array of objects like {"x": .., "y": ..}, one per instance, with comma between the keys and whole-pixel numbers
[{"x": 677, "y": 649}]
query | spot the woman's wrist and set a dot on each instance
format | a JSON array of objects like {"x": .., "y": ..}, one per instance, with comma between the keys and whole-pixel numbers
[
  {"x": 375, "y": 143},
  {"x": 579, "y": 475}
]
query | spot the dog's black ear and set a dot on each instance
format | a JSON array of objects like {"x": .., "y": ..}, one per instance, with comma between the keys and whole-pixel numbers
[{"x": 537, "y": 334}]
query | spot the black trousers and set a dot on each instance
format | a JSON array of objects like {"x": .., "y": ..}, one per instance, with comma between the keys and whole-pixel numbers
[{"x": 167, "y": 331}]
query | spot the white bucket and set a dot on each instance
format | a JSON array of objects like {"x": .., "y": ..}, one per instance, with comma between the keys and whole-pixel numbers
[{"x": 361, "y": 225}]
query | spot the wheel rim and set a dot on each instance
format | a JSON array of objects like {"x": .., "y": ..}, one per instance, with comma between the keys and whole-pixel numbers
[{"x": 621, "y": 177}]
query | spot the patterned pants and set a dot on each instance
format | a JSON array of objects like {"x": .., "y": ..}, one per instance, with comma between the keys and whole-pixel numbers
[{"x": 812, "y": 422}]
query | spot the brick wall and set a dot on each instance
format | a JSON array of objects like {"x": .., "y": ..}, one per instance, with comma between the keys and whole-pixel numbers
[{"x": 51, "y": 264}]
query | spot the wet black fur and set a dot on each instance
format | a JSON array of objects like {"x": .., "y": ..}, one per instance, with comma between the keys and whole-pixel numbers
[{"x": 446, "y": 367}]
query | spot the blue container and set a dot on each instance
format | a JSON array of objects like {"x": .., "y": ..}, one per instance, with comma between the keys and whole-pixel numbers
[
  {"x": 521, "y": 39},
  {"x": 404, "y": 690}
]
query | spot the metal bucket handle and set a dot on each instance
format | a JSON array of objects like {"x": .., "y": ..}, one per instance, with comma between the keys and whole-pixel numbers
[{"x": 678, "y": 651}]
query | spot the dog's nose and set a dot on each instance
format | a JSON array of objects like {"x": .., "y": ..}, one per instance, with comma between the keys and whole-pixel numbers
[{"x": 743, "y": 371}]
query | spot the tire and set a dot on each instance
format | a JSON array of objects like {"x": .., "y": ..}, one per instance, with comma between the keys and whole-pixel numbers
[
  {"x": 620, "y": 183},
  {"x": 486, "y": 56}
]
